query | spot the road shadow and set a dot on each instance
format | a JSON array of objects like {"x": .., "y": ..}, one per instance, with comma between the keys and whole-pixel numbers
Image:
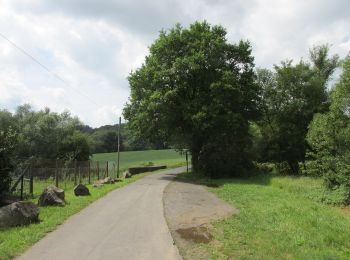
[{"x": 258, "y": 178}]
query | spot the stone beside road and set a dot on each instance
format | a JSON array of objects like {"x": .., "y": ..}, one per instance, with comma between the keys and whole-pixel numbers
[
  {"x": 81, "y": 190},
  {"x": 52, "y": 196},
  {"x": 18, "y": 214}
]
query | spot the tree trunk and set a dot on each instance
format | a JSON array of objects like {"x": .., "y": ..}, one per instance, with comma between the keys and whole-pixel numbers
[
  {"x": 294, "y": 166},
  {"x": 195, "y": 158}
]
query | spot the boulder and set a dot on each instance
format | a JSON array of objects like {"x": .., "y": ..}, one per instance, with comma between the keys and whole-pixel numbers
[
  {"x": 97, "y": 185},
  {"x": 127, "y": 174},
  {"x": 107, "y": 180},
  {"x": 52, "y": 196},
  {"x": 18, "y": 213},
  {"x": 81, "y": 190}
]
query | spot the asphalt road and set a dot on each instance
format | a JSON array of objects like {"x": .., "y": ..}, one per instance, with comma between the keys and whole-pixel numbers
[{"x": 128, "y": 223}]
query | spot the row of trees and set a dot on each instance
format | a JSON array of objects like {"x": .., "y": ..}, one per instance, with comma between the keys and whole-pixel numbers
[
  {"x": 198, "y": 91},
  {"x": 43, "y": 134},
  {"x": 104, "y": 140}
]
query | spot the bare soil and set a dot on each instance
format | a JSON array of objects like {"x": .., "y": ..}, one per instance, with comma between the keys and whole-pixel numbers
[{"x": 189, "y": 209}]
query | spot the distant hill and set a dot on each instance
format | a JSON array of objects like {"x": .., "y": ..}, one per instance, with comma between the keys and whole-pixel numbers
[{"x": 104, "y": 140}]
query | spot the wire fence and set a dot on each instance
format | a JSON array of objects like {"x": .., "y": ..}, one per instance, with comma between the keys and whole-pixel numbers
[{"x": 32, "y": 176}]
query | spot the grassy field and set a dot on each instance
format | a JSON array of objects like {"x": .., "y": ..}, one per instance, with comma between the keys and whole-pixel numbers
[
  {"x": 14, "y": 241},
  {"x": 138, "y": 158},
  {"x": 280, "y": 218}
]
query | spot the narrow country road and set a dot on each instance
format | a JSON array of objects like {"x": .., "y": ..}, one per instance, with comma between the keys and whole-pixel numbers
[{"x": 128, "y": 223}]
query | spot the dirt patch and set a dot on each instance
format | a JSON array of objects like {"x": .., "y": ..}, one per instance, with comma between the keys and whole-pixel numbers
[
  {"x": 189, "y": 209},
  {"x": 345, "y": 210},
  {"x": 199, "y": 234}
]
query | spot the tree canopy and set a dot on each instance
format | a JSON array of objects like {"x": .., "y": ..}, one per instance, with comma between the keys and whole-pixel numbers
[{"x": 197, "y": 90}]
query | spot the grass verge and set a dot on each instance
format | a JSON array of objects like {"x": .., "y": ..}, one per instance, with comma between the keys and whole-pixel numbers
[{"x": 280, "y": 218}]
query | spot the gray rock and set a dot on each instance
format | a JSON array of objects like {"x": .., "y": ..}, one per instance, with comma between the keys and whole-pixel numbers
[
  {"x": 18, "y": 213},
  {"x": 52, "y": 196},
  {"x": 127, "y": 174},
  {"x": 81, "y": 190},
  {"x": 97, "y": 185},
  {"x": 108, "y": 180}
]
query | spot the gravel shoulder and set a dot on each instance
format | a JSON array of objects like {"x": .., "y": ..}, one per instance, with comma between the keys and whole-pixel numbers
[{"x": 189, "y": 209}]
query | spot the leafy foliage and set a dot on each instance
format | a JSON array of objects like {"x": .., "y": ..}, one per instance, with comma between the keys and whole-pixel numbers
[
  {"x": 7, "y": 142},
  {"x": 197, "y": 91},
  {"x": 46, "y": 134},
  {"x": 329, "y": 137}
]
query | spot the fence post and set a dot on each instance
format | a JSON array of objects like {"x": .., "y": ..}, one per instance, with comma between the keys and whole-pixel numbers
[
  {"x": 31, "y": 180},
  {"x": 187, "y": 161},
  {"x": 89, "y": 173},
  {"x": 79, "y": 174},
  {"x": 56, "y": 173},
  {"x": 98, "y": 170},
  {"x": 107, "y": 169},
  {"x": 22, "y": 182},
  {"x": 75, "y": 172}
]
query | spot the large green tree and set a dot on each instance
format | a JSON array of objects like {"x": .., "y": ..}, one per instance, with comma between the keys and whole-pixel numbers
[
  {"x": 291, "y": 95},
  {"x": 197, "y": 90}
]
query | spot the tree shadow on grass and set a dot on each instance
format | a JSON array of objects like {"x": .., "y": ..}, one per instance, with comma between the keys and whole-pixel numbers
[{"x": 260, "y": 178}]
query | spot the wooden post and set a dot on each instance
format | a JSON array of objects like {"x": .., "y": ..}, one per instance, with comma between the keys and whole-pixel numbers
[
  {"x": 31, "y": 180},
  {"x": 98, "y": 169},
  {"x": 56, "y": 173},
  {"x": 79, "y": 174},
  {"x": 89, "y": 173},
  {"x": 187, "y": 160},
  {"x": 107, "y": 169},
  {"x": 75, "y": 172},
  {"x": 120, "y": 122},
  {"x": 22, "y": 184}
]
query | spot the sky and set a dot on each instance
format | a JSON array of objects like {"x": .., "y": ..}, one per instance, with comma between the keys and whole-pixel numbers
[{"x": 90, "y": 47}]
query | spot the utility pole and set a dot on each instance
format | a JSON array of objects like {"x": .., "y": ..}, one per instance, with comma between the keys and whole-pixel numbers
[{"x": 120, "y": 122}]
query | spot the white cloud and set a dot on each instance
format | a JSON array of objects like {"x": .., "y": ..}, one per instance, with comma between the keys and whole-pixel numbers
[{"x": 93, "y": 45}]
